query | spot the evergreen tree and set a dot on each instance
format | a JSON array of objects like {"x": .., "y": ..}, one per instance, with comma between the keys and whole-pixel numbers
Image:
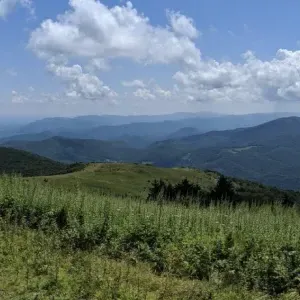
[{"x": 224, "y": 189}]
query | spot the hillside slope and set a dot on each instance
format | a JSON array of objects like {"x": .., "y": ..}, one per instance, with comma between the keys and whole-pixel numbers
[
  {"x": 14, "y": 161},
  {"x": 121, "y": 179},
  {"x": 78, "y": 150},
  {"x": 268, "y": 153}
]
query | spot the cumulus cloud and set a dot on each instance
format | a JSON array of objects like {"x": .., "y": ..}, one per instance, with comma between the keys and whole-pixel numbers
[
  {"x": 134, "y": 83},
  {"x": 7, "y": 6},
  {"x": 182, "y": 25},
  {"x": 80, "y": 84},
  {"x": 92, "y": 35},
  {"x": 144, "y": 94},
  {"x": 96, "y": 33},
  {"x": 92, "y": 30},
  {"x": 252, "y": 80},
  {"x": 98, "y": 64},
  {"x": 148, "y": 91},
  {"x": 161, "y": 92}
]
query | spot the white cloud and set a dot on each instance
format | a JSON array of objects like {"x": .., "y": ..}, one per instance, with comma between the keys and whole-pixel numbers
[
  {"x": 92, "y": 34},
  {"x": 17, "y": 97},
  {"x": 134, "y": 83},
  {"x": 31, "y": 89},
  {"x": 144, "y": 94},
  {"x": 183, "y": 25},
  {"x": 7, "y": 6},
  {"x": 98, "y": 64},
  {"x": 80, "y": 84},
  {"x": 161, "y": 92},
  {"x": 95, "y": 34},
  {"x": 252, "y": 81},
  {"x": 92, "y": 30},
  {"x": 151, "y": 90}
]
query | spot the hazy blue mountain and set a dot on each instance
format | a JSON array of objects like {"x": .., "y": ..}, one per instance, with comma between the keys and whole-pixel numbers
[
  {"x": 27, "y": 137},
  {"x": 6, "y": 130},
  {"x": 58, "y": 124},
  {"x": 146, "y": 126},
  {"x": 268, "y": 153},
  {"x": 183, "y": 132},
  {"x": 78, "y": 150}
]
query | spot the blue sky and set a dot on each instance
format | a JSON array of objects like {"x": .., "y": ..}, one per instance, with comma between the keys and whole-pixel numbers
[{"x": 148, "y": 57}]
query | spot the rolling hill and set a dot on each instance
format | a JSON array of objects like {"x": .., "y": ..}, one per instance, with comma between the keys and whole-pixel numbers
[
  {"x": 78, "y": 150},
  {"x": 120, "y": 179},
  {"x": 14, "y": 161}
]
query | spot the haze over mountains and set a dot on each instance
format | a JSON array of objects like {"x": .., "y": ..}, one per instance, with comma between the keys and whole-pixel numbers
[
  {"x": 150, "y": 128},
  {"x": 260, "y": 147}
]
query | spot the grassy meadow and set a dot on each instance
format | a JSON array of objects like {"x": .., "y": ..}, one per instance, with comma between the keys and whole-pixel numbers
[
  {"x": 71, "y": 237},
  {"x": 120, "y": 179},
  {"x": 71, "y": 243}
]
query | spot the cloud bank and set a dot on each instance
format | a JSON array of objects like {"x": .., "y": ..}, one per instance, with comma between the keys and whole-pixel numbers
[{"x": 93, "y": 35}]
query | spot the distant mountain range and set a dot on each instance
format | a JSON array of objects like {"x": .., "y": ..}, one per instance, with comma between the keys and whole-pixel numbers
[
  {"x": 268, "y": 152},
  {"x": 78, "y": 150},
  {"x": 138, "y": 131}
]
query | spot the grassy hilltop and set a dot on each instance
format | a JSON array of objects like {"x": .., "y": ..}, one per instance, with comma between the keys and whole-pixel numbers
[
  {"x": 127, "y": 179},
  {"x": 133, "y": 180}
]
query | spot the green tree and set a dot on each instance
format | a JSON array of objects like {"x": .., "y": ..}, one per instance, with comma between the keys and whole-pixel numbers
[{"x": 224, "y": 189}]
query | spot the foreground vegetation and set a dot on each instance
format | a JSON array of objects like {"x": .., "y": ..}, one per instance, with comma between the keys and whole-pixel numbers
[
  {"x": 58, "y": 244},
  {"x": 34, "y": 267}
]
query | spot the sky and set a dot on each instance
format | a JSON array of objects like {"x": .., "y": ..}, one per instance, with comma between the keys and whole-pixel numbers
[{"x": 76, "y": 57}]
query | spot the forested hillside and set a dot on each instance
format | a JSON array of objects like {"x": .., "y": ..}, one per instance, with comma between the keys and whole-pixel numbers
[{"x": 14, "y": 161}]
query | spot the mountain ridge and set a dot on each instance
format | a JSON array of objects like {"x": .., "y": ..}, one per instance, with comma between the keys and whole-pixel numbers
[{"x": 267, "y": 153}]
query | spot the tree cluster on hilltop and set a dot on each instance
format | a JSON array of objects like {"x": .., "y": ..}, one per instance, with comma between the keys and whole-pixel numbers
[{"x": 187, "y": 192}]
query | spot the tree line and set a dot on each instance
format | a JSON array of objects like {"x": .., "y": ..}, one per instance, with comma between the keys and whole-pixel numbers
[{"x": 187, "y": 192}]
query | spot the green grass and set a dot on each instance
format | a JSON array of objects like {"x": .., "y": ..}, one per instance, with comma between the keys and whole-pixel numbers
[
  {"x": 32, "y": 267},
  {"x": 133, "y": 180},
  {"x": 142, "y": 250},
  {"x": 127, "y": 179}
]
